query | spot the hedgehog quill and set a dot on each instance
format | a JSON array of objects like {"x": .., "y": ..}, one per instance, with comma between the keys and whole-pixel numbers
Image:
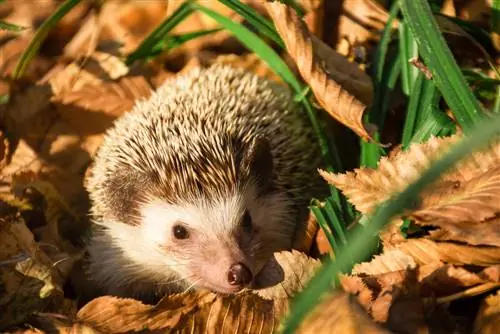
[{"x": 199, "y": 185}]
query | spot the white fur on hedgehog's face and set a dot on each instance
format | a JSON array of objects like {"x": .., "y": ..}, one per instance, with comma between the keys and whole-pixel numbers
[{"x": 220, "y": 245}]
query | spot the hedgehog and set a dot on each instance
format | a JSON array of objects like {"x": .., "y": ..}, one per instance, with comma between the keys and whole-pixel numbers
[{"x": 197, "y": 186}]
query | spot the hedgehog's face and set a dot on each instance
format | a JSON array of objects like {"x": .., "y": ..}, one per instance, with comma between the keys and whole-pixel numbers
[{"x": 220, "y": 245}]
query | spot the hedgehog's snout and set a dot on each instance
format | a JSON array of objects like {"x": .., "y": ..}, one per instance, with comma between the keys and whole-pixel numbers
[{"x": 239, "y": 274}]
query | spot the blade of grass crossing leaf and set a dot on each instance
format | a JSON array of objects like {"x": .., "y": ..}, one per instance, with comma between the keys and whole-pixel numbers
[
  {"x": 11, "y": 27},
  {"x": 414, "y": 106},
  {"x": 332, "y": 211},
  {"x": 174, "y": 41},
  {"x": 361, "y": 239},
  {"x": 320, "y": 218},
  {"x": 41, "y": 35},
  {"x": 408, "y": 50},
  {"x": 145, "y": 49},
  {"x": 266, "y": 53},
  {"x": 260, "y": 23},
  {"x": 440, "y": 61}
]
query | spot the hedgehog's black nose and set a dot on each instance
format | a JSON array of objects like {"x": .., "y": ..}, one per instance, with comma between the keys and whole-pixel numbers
[{"x": 239, "y": 274}]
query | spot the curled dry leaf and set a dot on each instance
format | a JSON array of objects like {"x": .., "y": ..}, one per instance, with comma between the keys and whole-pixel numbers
[
  {"x": 319, "y": 65},
  {"x": 426, "y": 251},
  {"x": 339, "y": 313},
  {"x": 448, "y": 279},
  {"x": 285, "y": 275},
  {"x": 483, "y": 233},
  {"x": 360, "y": 22},
  {"x": 390, "y": 260},
  {"x": 488, "y": 317}
]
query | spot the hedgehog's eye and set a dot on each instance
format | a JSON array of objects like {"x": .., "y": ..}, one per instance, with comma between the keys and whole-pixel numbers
[
  {"x": 180, "y": 232},
  {"x": 246, "y": 222}
]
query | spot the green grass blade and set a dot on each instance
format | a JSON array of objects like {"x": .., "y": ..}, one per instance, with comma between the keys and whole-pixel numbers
[
  {"x": 41, "y": 35},
  {"x": 332, "y": 211},
  {"x": 408, "y": 50},
  {"x": 495, "y": 16},
  {"x": 361, "y": 239},
  {"x": 440, "y": 61},
  {"x": 431, "y": 121},
  {"x": 147, "y": 47},
  {"x": 261, "y": 24},
  {"x": 323, "y": 224},
  {"x": 496, "y": 105},
  {"x": 371, "y": 152},
  {"x": 414, "y": 106},
  {"x": 381, "y": 69},
  {"x": 11, "y": 27},
  {"x": 384, "y": 77}
]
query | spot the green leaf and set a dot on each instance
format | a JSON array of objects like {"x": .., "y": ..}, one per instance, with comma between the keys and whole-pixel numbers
[
  {"x": 362, "y": 240},
  {"x": 41, "y": 35},
  {"x": 439, "y": 59},
  {"x": 150, "y": 45},
  {"x": 11, "y": 27}
]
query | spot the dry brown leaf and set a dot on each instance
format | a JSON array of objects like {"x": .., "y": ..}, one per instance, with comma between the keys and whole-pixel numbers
[
  {"x": 4, "y": 150},
  {"x": 391, "y": 298},
  {"x": 285, "y": 275},
  {"x": 448, "y": 279},
  {"x": 305, "y": 239},
  {"x": 93, "y": 70},
  {"x": 472, "y": 201},
  {"x": 339, "y": 313},
  {"x": 29, "y": 280},
  {"x": 484, "y": 233},
  {"x": 366, "y": 187},
  {"x": 92, "y": 108},
  {"x": 61, "y": 324},
  {"x": 319, "y": 66},
  {"x": 390, "y": 260},
  {"x": 488, "y": 317},
  {"x": 198, "y": 312},
  {"x": 426, "y": 251},
  {"x": 360, "y": 22}
]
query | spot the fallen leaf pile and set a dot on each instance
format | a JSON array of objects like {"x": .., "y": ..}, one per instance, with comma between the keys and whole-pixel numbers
[{"x": 78, "y": 84}]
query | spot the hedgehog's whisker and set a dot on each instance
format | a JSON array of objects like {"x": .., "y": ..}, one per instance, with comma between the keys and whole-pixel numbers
[{"x": 192, "y": 285}]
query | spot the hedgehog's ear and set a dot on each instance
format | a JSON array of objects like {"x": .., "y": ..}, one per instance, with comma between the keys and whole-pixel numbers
[{"x": 257, "y": 160}]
